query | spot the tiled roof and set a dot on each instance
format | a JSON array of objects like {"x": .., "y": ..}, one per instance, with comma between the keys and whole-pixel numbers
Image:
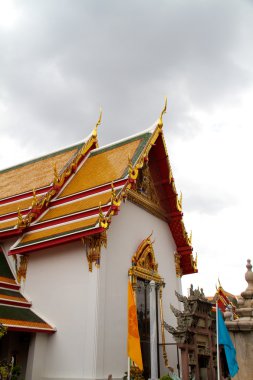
[
  {"x": 80, "y": 201},
  {"x": 18, "y": 318},
  {"x": 36, "y": 183},
  {"x": 106, "y": 165},
  {"x": 70, "y": 216},
  {"x": 34, "y": 174},
  {"x": 17, "y": 184},
  {"x": 60, "y": 230},
  {"x": 78, "y": 205},
  {"x": 15, "y": 309}
]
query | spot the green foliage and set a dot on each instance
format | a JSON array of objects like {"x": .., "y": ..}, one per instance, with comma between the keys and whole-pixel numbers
[
  {"x": 3, "y": 330},
  {"x": 8, "y": 371},
  {"x": 166, "y": 377}
]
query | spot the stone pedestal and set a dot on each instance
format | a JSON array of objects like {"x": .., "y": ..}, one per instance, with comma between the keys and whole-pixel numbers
[{"x": 241, "y": 329}]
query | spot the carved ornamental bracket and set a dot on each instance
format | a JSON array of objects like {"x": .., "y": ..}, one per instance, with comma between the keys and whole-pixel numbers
[
  {"x": 93, "y": 246},
  {"x": 21, "y": 267}
]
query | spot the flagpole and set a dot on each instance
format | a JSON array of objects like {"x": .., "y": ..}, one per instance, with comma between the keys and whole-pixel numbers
[
  {"x": 217, "y": 342},
  {"x": 128, "y": 358}
]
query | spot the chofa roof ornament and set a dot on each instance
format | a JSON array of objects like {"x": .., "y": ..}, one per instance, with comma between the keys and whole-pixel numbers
[{"x": 160, "y": 121}]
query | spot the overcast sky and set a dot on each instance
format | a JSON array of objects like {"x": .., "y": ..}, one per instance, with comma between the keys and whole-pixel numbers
[{"x": 60, "y": 60}]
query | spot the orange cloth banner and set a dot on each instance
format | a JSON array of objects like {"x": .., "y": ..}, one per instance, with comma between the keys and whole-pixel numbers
[{"x": 133, "y": 341}]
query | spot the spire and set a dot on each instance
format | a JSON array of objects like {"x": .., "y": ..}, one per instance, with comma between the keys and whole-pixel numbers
[{"x": 248, "y": 293}]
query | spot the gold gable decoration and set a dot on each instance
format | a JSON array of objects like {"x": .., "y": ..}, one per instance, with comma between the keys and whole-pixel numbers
[
  {"x": 144, "y": 193},
  {"x": 177, "y": 257},
  {"x": 59, "y": 179},
  {"x": 22, "y": 268},
  {"x": 145, "y": 185},
  {"x": 93, "y": 244},
  {"x": 144, "y": 264}
]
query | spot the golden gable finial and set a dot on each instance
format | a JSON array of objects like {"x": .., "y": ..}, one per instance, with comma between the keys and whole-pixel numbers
[
  {"x": 34, "y": 201},
  {"x": 94, "y": 132},
  {"x": 20, "y": 218},
  {"x": 103, "y": 220},
  {"x": 132, "y": 172},
  {"x": 160, "y": 121},
  {"x": 196, "y": 262},
  {"x": 115, "y": 201},
  {"x": 56, "y": 176},
  {"x": 190, "y": 238},
  {"x": 179, "y": 201}
]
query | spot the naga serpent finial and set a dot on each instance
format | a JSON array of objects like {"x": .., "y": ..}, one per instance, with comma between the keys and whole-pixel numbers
[
  {"x": 160, "y": 121},
  {"x": 35, "y": 200},
  {"x": 56, "y": 175},
  {"x": 94, "y": 132}
]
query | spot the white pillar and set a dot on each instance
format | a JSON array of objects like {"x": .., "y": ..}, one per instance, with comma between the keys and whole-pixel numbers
[{"x": 153, "y": 331}]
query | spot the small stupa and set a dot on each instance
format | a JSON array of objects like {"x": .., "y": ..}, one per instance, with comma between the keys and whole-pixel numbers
[{"x": 241, "y": 329}]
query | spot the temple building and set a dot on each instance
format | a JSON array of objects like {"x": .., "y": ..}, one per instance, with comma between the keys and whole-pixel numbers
[{"x": 74, "y": 226}]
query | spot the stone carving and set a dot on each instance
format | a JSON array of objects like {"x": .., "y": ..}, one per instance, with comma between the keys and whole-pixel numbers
[{"x": 194, "y": 334}]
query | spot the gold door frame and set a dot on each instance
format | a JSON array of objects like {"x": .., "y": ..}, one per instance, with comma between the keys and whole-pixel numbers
[{"x": 144, "y": 266}]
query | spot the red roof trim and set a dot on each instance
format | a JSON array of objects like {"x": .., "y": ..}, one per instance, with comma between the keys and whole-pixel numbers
[
  {"x": 85, "y": 193},
  {"x": 166, "y": 190},
  {"x": 13, "y": 215},
  {"x": 28, "y": 194},
  {"x": 31, "y": 329},
  {"x": 25, "y": 304},
  {"x": 10, "y": 233},
  {"x": 7, "y": 285}
]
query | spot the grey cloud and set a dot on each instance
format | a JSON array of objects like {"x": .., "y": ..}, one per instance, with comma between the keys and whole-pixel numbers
[
  {"x": 66, "y": 58},
  {"x": 205, "y": 200}
]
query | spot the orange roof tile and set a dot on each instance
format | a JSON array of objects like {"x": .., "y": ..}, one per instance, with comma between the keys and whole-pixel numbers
[
  {"x": 13, "y": 322},
  {"x": 5, "y": 224},
  {"x": 34, "y": 174},
  {"x": 77, "y": 206},
  {"x": 12, "y": 298},
  {"x": 13, "y": 206},
  {"x": 102, "y": 167},
  {"x": 7, "y": 280}
]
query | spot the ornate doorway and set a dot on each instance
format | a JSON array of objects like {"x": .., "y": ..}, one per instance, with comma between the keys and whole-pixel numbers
[
  {"x": 143, "y": 312},
  {"x": 146, "y": 284}
]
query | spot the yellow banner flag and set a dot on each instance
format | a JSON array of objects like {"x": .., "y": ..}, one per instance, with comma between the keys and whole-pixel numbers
[{"x": 133, "y": 341}]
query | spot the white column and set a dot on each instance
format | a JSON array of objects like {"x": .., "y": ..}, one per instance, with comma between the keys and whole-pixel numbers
[{"x": 153, "y": 331}]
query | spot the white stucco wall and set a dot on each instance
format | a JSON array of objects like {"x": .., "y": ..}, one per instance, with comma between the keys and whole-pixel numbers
[
  {"x": 65, "y": 294},
  {"x": 128, "y": 229},
  {"x": 89, "y": 310}
]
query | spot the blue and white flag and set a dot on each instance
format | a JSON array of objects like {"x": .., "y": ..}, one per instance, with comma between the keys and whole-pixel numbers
[{"x": 224, "y": 338}]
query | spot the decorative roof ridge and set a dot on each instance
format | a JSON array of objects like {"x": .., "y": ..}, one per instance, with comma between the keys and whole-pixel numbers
[
  {"x": 157, "y": 124},
  {"x": 40, "y": 205},
  {"x": 125, "y": 139},
  {"x": 220, "y": 288},
  {"x": 60, "y": 150}
]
